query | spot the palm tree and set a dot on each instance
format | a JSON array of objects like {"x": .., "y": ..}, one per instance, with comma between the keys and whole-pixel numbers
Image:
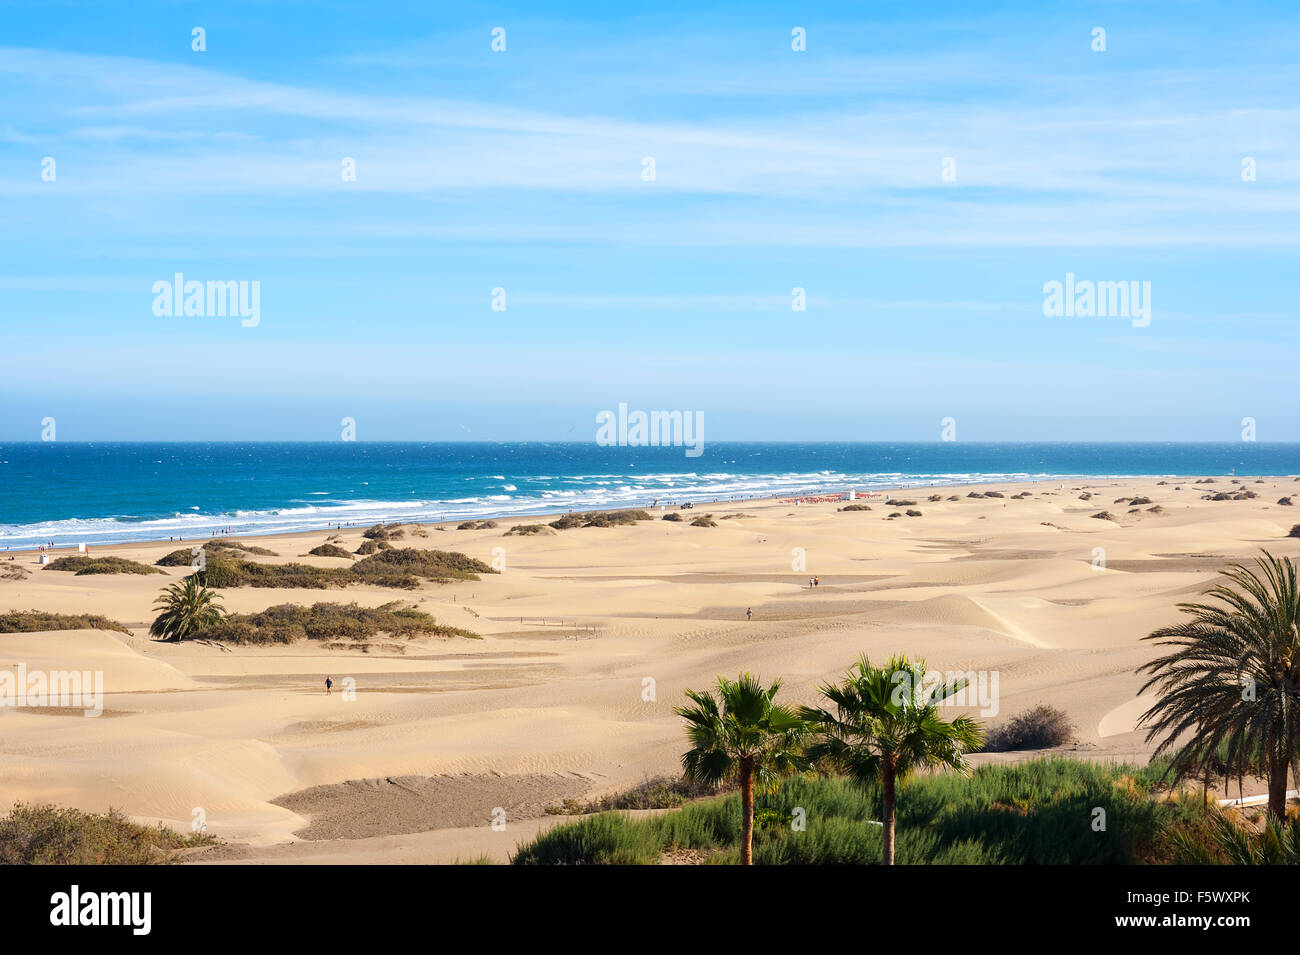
[
  {"x": 884, "y": 725},
  {"x": 187, "y": 608},
  {"x": 741, "y": 735},
  {"x": 1233, "y": 683}
]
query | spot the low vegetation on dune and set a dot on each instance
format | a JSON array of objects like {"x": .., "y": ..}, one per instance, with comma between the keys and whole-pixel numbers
[
  {"x": 1103, "y": 516},
  {"x": 657, "y": 792},
  {"x": 369, "y": 547},
  {"x": 177, "y": 558},
  {"x": 39, "y": 621},
  {"x": 529, "y": 530},
  {"x": 82, "y": 565},
  {"x": 329, "y": 550},
  {"x": 51, "y": 835},
  {"x": 600, "y": 519},
  {"x": 289, "y": 623},
  {"x": 226, "y": 544},
  {"x": 439, "y": 565},
  {"x": 912, "y": 512},
  {"x": 1043, "y": 727},
  {"x": 476, "y": 525},
  {"x": 234, "y": 572},
  {"x": 899, "y": 503},
  {"x": 856, "y": 507},
  {"x": 395, "y": 567},
  {"x": 384, "y": 532},
  {"x": 1034, "y": 813},
  {"x": 1295, "y": 531},
  {"x": 13, "y": 571},
  {"x": 1284, "y": 501},
  {"x": 185, "y": 556}
]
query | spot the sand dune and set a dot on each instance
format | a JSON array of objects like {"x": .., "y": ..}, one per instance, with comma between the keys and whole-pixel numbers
[{"x": 589, "y": 639}]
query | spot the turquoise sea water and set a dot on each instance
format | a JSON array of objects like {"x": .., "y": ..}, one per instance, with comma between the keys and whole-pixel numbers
[{"x": 106, "y": 492}]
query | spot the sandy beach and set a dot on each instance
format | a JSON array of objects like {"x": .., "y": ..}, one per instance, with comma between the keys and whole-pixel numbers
[{"x": 589, "y": 637}]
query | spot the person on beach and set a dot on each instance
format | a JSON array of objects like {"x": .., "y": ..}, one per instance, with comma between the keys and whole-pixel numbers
[
  {"x": 329, "y": 684},
  {"x": 810, "y": 583},
  {"x": 817, "y": 582},
  {"x": 749, "y": 613}
]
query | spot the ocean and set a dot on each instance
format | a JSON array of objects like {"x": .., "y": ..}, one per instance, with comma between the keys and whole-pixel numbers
[{"x": 100, "y": 493}]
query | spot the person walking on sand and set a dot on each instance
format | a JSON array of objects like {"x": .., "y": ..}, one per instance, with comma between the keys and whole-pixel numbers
[
  {"x": 817, "y": 582},
  {"x": 329, "y": 684},
  {"x": 810, "y": 583},
  {"x": 749, "y": 613}
]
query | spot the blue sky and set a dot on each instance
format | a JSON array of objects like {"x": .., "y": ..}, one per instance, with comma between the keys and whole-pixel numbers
[{"x": 775, "y": 169}]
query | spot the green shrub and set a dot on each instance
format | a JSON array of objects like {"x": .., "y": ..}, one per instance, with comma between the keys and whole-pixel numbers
[
  {"x": 38, "y": 621},
  {"x": 427, "y": 564},
  {"x": 329, "y": 550},
  {"x": 394, "y": 567},
  {"x": 673, "y": 516},
  {"x": 704, "y": 520},
  {"x": 373, "y": 547},
  {"x": 600, "y": 519},
  {"x": 856, "y": 507},
  {"x": 185, "y": 556},
  {"x": 289, "y": 623},
  {"x": 50, "y": 835},
  {"x": 384, "y": 532},
  {"x": 528, "y": 530},
  {"x": 224, "y": 571},
  {"x": 82, "y": 565}
]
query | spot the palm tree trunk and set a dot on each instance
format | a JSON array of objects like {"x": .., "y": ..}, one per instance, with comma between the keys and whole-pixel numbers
[
  {"x": 1277, "y": 776},
  {"x": 887, "y": 815},
  {"x": 746, "y": 812}
]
